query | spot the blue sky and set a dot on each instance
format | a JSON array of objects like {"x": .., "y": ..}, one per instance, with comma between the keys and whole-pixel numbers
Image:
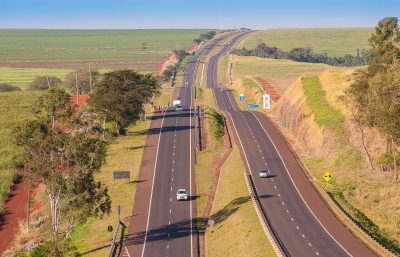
[{"x": 176, "y": 14}]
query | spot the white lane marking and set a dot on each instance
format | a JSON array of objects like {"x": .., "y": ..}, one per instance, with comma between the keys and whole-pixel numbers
[
  {"x": 283, "y": 203},
  {"x": 317, "y": 253},
  {"x": 152, "y": 186},
  {"x": 167, "y": 246},
  {"x": 287, "y": 211},
  {"x": 303, "y": 235},
  {"x": 169, "y": 222},
  {"x": 309, "y": 244},
  {"x": 275, "y": 186},
  {"x": 170, "y": 199},
  {"x": 297, "y": 227},
  {"x": 279, "y": 195},
  {"x": 169, "y": 211},
  {"x": 292, "y": 219},
  {"x": 171, "y": 188},
  {"x": 172, "y": 179},
  {"x": 298, "y": 189},
  {"x": 127, "y": 252}
]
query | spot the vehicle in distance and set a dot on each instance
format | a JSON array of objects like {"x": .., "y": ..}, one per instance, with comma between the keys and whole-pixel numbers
[
  {"x": 263, "y": 173},
  {"x": 176, "y": 102},
  {"x": 181, "y": 194},
  {"x": 178, "y": 107}
]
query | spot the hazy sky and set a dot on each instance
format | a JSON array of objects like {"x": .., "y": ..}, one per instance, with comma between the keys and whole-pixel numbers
[{"x": 162, "y": 14}]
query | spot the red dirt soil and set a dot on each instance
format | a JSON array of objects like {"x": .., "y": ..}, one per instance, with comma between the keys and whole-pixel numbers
[
  {"x": 14, "y": 211},
  {"x": 269, "y": 88}
]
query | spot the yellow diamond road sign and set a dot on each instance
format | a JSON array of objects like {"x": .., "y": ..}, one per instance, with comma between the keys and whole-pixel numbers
[{"x": 327, "y": 176}]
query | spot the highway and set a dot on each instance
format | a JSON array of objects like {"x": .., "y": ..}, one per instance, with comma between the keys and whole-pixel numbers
[
  {"x": 160, "y": 225},
  {"x": 301, "y": 220}
]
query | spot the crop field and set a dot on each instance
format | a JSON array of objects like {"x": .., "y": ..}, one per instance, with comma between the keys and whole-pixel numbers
[
  {"x": 14, "y": 110},
  {"x": 21, "y": 77},
  {"x": 333, "y": 41},
  {"x": 281, "y": 73},
  {"x": 102, "y": 49}
]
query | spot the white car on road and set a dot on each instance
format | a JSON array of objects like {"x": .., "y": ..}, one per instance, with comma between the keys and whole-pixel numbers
[{"x": 181, "y": 194}]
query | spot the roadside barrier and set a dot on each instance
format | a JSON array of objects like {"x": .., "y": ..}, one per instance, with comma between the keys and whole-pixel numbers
[
  {"x": 350, "y": 219},
  {"x": 271, "y": 234},
  {"x": 111, "y": 251}
]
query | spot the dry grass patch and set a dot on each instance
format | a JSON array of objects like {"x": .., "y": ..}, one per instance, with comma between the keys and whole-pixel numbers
[{"x": 237, "y": 230}]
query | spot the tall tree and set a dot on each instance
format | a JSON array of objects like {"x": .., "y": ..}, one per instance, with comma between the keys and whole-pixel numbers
[
  {"x": 44, "y": 82},
  {"x": 53, "y": 105},
  {"x": 385, "y": 41},
  {"x": 81, "y": 81},
  {"x": 64, "y": 161},
  {"x": 120, "y": 96}
]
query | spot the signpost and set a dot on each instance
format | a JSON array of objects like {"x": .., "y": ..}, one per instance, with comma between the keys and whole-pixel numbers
[
  {"x": 241, "y": 97},
  {"x": 122, "y": 175}
]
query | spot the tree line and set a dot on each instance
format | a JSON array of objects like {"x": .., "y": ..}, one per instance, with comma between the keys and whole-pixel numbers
[
  {"x": 373, "y": 97},
  {"x": 63, "y": 149},
  {"x": 305, "y": 54},
  {"x": 204, "y": 37}
]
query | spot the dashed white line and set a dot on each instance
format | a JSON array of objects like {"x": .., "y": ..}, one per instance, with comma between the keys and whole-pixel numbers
[
  {"x": 303, "y": 235},
  {"x": 283, "y": 203},
  {"x": 292, "y": 219},
  {"x": 309, "y": 244},
  {"x": 169, "y": 211},
  {"x": 297, "y": 227}
]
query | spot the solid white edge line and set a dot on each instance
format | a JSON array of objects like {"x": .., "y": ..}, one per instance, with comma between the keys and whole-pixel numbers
[
  {"x": 127, "y": 252},
  {"x": 152, "y": 185},
  {"x": 298, "y": 189}
]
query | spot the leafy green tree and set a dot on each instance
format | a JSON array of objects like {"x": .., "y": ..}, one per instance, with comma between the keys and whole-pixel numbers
[
  {"x": 120, "y": 96},
  {"x": 53, "y": 105},
  {"x": 81, "y": 81},
  {"x": 385, "y": 41},
  {"x": 8, "y": 88},
  {"x": 43, "y": 83},
  {"x": 64, "y": 161}
]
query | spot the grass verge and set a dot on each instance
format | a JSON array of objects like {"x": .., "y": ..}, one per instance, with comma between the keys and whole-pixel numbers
[{"x": 237, "y": 230}]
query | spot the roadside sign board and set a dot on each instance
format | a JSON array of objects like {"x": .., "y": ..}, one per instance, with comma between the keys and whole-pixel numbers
[
  {"x": 122, "y": 175},
  {"x": 241, "y": 97},
  {"x": 267, "y": 102},
  {"x": 252, "y": 106},
  {"x": 327, "y": 176}
]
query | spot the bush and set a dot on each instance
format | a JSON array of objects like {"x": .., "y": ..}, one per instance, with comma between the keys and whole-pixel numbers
[
  {"x": 56, "y": 248},
  {"x": 43, "y": 83},
  {"x": 8, "y": 88}
]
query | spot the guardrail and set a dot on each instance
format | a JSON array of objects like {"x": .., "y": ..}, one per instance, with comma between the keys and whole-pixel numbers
[
  {"x": 111, "y": 251},
  {"x": 350, "y": 219}
]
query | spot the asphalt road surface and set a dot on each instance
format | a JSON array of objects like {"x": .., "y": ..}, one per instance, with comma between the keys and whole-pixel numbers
[
  {"x": 302, "y": 221},
  {"x": 160, "y": 225}
]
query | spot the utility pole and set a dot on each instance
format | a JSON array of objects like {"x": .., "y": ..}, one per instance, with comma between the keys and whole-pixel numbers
[
  {"x": 77, "y": 91},
  {"x": 90, "y": 79}
]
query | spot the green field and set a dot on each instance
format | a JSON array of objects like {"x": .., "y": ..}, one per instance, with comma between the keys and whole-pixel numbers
[
  {"x": 103, "y": 49},
  {"x": 21, "y": 77},
  {"x": 333, "y": 41},
  {"x": 14, "y": 110}
]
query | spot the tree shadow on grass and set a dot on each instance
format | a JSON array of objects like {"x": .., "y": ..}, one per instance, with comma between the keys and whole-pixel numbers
[{"x": 229, "y": 209}]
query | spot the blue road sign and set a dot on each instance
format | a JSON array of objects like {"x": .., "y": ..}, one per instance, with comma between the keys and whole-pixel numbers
[
  {"x": 241, "y": 97},
  {"x": 252, "y": 106}
]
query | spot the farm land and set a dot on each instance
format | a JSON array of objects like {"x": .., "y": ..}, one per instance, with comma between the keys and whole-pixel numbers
[
  {"x": 27, "y": 52},
  {"x": 60, "y": 51}
]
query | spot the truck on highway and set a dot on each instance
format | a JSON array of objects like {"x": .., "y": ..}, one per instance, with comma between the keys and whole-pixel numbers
[{"x": 176, "y": 102}]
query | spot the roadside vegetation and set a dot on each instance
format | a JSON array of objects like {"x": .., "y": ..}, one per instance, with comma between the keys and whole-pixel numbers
[
  {"x": 237, "y": 230},
  {"x": 15, "y": 109},
  {"x": 359, "y": 145}
]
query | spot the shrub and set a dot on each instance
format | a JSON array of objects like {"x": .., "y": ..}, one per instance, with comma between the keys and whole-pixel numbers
[{"x": 8, "y": 88}]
